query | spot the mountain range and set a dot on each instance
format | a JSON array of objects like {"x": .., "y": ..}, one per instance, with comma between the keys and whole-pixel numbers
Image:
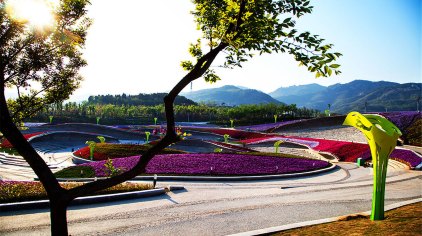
[
  {"x": 343, "y": 98},
  {"x": 230, "y": 95}
]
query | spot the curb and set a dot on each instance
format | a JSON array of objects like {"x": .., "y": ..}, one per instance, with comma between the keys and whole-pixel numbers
[
  {"x": 237, "y": 178},
  {"x": 29, "y": 205},
  {"x": 214, "y": 178},
  {"x": 276, "y": 229}
]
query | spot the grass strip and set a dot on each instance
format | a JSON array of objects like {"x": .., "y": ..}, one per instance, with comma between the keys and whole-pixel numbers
[
  {"x": 404, "y": 220},
  {"x": 19, "y": 191}
]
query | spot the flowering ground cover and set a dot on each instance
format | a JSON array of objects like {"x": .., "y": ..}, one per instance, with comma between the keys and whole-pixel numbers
[
  {"x": 103, "y": 151},
  {"x": 214, "y": 164},
  {"x": 18, "y": 191},
  {"x": 6, "y": 144},
  {"x": 405, "y": 156},
  {"x": 347, "y": 151},
  {"x": 409, "y": 123},
  {"x": 344, "y": 151},
  {"x": 402, "y": 119}
]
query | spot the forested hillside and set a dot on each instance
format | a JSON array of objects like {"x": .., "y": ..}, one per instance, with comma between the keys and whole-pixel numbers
[{"x": 136, "y": 100}]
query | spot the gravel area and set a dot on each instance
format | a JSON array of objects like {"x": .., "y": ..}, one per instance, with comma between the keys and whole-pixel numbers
[
  {"x": 294, "y": 151},
  {"x": 343, "y": 133}
]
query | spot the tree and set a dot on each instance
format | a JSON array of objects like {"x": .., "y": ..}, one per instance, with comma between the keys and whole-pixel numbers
[
  {"x": 41, "y": 62},
  {"x": 239, "y": 28},
  {"x": 45, "y": 56}
]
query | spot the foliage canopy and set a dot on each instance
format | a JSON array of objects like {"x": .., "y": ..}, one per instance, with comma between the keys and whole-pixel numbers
[
  {"x": 248, "y": 27},
  {"x": 42, "y": 63}
]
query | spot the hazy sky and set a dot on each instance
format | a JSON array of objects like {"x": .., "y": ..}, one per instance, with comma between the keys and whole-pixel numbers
[{"x": 136, "y": 46}]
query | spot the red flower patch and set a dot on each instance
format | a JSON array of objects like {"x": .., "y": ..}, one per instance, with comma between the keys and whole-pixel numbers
[{"x": 6, "y": 144}]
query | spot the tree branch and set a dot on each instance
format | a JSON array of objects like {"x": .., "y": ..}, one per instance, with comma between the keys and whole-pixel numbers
[
  {"x": 199, "y": 69},
  {"x": 15, "y": 137}
]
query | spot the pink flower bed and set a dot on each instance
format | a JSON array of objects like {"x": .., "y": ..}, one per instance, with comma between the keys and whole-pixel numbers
[{"x": 345, "y": 151}]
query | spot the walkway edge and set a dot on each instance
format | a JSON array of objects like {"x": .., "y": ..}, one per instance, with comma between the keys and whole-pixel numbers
[
  {"x": 213, "y": 178},
  {"x": 89, "y": 199},
  {"x": 320, "y": 221}
]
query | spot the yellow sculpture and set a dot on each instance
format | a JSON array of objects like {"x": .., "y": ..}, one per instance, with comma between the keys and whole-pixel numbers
[{"x": 382, "y": 138}]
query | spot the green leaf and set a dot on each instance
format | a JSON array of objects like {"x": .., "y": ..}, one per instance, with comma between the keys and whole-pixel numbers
[
  {"x": 318, "y": 74},
  {"x": 329, "y": 71},
  {"x": 334, "y": 66}
]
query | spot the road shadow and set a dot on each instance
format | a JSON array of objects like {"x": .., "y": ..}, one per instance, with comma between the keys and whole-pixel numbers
[{"x": 45, "y": 208}]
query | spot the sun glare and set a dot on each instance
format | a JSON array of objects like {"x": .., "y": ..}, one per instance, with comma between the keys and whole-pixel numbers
[{"x": 37, "y": 13}]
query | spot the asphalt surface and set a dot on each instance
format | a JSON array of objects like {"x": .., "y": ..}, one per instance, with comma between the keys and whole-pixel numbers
[{"x": 221, "y": 208}]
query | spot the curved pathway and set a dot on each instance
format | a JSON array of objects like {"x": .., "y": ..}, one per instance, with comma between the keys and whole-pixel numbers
[
  {"x": 210, "y": 208},
  {"x": 221, "y": 208}
]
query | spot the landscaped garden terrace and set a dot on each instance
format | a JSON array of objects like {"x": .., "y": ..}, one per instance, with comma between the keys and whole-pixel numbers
[{"x": 233, "y": 157}]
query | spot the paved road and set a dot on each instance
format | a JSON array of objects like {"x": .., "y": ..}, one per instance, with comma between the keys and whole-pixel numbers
[{"x": 207, "y": 208}]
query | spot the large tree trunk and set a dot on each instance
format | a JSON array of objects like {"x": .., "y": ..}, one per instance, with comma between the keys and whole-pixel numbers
[{"x": 58, "y": 217}]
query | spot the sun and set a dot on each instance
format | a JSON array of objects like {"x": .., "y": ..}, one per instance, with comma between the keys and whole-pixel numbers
[{"x": 37, "y": 13}]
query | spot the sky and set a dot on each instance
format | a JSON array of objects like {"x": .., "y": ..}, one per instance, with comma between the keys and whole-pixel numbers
[{"x": 136, "y": 46}]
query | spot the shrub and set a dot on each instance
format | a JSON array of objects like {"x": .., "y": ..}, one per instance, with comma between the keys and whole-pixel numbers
[
  {"x": 76, "y": 171},
  {"x": 110, "y": 170},
  {"x": 104, "y": 151},
  {"x": 17, "y": 191},
  {"x": 414, "y": 133},
  {"x": 11, "y": 151}
]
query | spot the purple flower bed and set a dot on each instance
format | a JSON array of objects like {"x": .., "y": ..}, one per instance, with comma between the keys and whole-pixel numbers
[
  {"x": 269, "y": 126},
  {"x": 215, "y": 164},
  {"x": 402, "y": 119},
  {"x": 406, "y": 156},
  {"x": 402, "y": 155}
]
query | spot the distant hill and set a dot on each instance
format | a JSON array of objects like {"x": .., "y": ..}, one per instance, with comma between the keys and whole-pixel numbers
[
  {"x": 297, "y": 89},
  {"x": 230, "y": 95},
  {"x": 352, "y": 96},
  {"x": 136, "y": 100}
]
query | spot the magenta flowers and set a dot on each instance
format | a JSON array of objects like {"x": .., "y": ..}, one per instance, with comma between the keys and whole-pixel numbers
[{"x": 215, "y": 164}]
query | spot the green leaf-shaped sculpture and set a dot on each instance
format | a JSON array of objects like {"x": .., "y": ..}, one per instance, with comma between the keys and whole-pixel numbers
[
  {"x": 226, "y": 138},
  {"x": 101, "y": 138},
  {"x": 147, "y": 134},
  {"x": 382, "y": 138},
  {"x": 277, "y": 145},
  {"x": 91, "y": 145}
]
